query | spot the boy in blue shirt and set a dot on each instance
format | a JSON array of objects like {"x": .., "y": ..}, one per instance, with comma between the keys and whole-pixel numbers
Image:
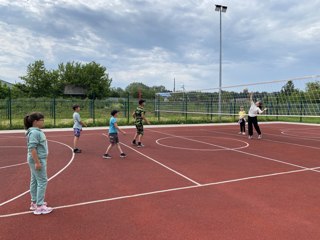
[{"x": 113, "y": 135}]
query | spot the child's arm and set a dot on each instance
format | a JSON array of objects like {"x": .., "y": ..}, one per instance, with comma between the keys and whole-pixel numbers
[
  {"x": 117, "y": 127},
  {"x": 134, "y": 115},
  {"x": 146, "y": 120},
  {"x": 83, "y": 124},
  {"x": 264, "y": 110},
  {"x": 251, "y": 97},
  {"x": 36, "y": 159}
]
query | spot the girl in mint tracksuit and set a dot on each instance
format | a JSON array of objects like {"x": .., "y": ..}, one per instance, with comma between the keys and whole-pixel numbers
[{"x": 37, "y": 160}]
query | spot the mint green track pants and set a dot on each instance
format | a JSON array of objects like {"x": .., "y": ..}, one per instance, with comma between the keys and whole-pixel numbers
[{"x": 38, "y": 182}]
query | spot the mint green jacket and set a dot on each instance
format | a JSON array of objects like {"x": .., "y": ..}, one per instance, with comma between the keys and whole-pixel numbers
[{"x": 37, "y": 139}]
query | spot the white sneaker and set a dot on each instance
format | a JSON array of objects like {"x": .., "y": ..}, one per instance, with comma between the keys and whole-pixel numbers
[
  {"x": 243, "y": 133},
  {"x": 250, "y": 137},
  {"x": 239, "y": 133},
  {"x": 43, "y": 210},
  {"x": 33, "y": 206},
  {"x": 259, "y": 137}
]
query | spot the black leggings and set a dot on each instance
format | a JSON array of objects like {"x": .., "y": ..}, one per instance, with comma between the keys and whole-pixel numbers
[
  {"x": 242, "y": 125},
  {"x": 254, "y": 121}
]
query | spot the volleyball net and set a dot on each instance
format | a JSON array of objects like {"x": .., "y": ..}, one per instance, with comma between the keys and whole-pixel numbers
[{"x": 290, "y": 98}]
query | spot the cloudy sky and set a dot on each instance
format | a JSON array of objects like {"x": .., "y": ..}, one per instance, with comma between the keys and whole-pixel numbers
[{"x": 155, "y": 41}]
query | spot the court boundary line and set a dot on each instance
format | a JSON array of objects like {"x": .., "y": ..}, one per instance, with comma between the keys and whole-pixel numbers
[
  {"x": 164, "y": 191},
  {"x": 235, "y": 150},
  {"x": 52, "y": 177},
  {"x": 14, "y": 165},
  {"x": 203, "y": 150},
  {"x": 269, "y": 140},
  {"x": 159, "y": 163},
  {"x": 314, "y": 169}
]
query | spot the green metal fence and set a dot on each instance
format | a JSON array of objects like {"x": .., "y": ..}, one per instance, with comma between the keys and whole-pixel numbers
[{"x": 58, "y": 112}]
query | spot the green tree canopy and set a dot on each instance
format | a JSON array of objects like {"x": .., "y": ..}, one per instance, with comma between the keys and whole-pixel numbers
[
  {"x": 146, "y": 92},
  {"x": 40, "y": 82},
  {"x": 4, "y": 91},
  {"x": 289, "y": 89}
]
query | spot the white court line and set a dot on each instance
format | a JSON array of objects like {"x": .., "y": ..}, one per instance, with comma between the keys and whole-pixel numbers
[
  {"x": 269, "y": 140},
  {"x": 297, "y": 136},
  {"x": 273, "y": 141},
  {"x": 234, "y": 150},
  {"x": 14, "y": 165},
  {"x": 70, "y": 161},
  {"x": 205, "y": 149},
  {"x": 161, "y": 191},
  {"x": 170, "y": 169}
]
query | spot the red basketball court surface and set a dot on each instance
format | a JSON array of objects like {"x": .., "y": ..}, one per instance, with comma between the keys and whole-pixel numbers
[{"x": 188, "y": 182}]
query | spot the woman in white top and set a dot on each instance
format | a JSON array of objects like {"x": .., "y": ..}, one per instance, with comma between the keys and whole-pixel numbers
[{"x": 252, "y": 117}]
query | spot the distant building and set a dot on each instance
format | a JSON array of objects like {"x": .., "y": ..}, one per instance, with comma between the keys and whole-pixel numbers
[{"x": 6, "y": 83}]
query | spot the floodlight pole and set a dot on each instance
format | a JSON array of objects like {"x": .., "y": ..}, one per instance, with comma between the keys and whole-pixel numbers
[{"x": 220, "y": 9}]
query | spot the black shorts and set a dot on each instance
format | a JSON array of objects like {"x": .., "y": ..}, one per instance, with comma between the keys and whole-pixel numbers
[{"x": 113, "y": 138}]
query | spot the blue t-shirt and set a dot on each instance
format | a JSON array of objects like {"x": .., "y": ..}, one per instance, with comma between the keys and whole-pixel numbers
[{"x": 112, "y": 128}]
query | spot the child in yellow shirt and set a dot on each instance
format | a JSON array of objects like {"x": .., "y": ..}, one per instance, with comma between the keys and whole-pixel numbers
[{"x": 242, "y": 121}]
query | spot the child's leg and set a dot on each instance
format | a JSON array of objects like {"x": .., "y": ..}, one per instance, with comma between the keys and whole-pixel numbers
[
  {"x": 243, "y": 126},
  {"x": 42, "y": 181},
  {"x": 135, "y": 137},
  {"x": 109, "y": 147},
  {"x": 75, "y": 142},
  {"x": 140, "y": 133},
  {"x": 76, "y": 132},
  {"x": 119, "y": 148},
  {"x": 33, "y": 184}
]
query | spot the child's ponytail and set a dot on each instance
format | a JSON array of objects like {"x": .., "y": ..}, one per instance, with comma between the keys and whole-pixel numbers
[{"x": 29, "y": 119}]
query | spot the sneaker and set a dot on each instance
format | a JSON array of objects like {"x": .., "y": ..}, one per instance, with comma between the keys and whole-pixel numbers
[
  {"x": 123, "y": 155},
  {"x": 33, "y": 206},
  {"x": 134, "y": 142},
  {"x": 239, "y": 132},
  {"x": 250, "y": 137},
  {"x": 243, "y": 133},
  {"x": 76, "y": 150},
  {"x": 106, "y": 156},
  {"x": 42, "y": 210},
  {"x": 140, "y": 145},
  {"x": 259, "y": 137}
]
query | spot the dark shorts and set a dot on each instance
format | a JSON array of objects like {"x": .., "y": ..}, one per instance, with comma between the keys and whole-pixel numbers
[
  {"x": 139, "y": 127},
  {"x": 77, "y": 132},
  {"x": 113, "y": 138}
]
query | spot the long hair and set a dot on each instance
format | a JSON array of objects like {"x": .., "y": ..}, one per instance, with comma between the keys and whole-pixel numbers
[{"x": 29, "y": 119}]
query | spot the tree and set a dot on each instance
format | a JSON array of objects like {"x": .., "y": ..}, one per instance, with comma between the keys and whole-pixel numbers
[
  {"x": 37, "y": 80},
  {"x": 313, "y": 86},
  {"x": 117, "y": 92},
  {"x": 4, "y": 91},
  {"x": 288, "y": 89},
  {"x": 134, "y": 88},
  {"x": 313, "y": 91},
  {"x": 92, "y": 76}
]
